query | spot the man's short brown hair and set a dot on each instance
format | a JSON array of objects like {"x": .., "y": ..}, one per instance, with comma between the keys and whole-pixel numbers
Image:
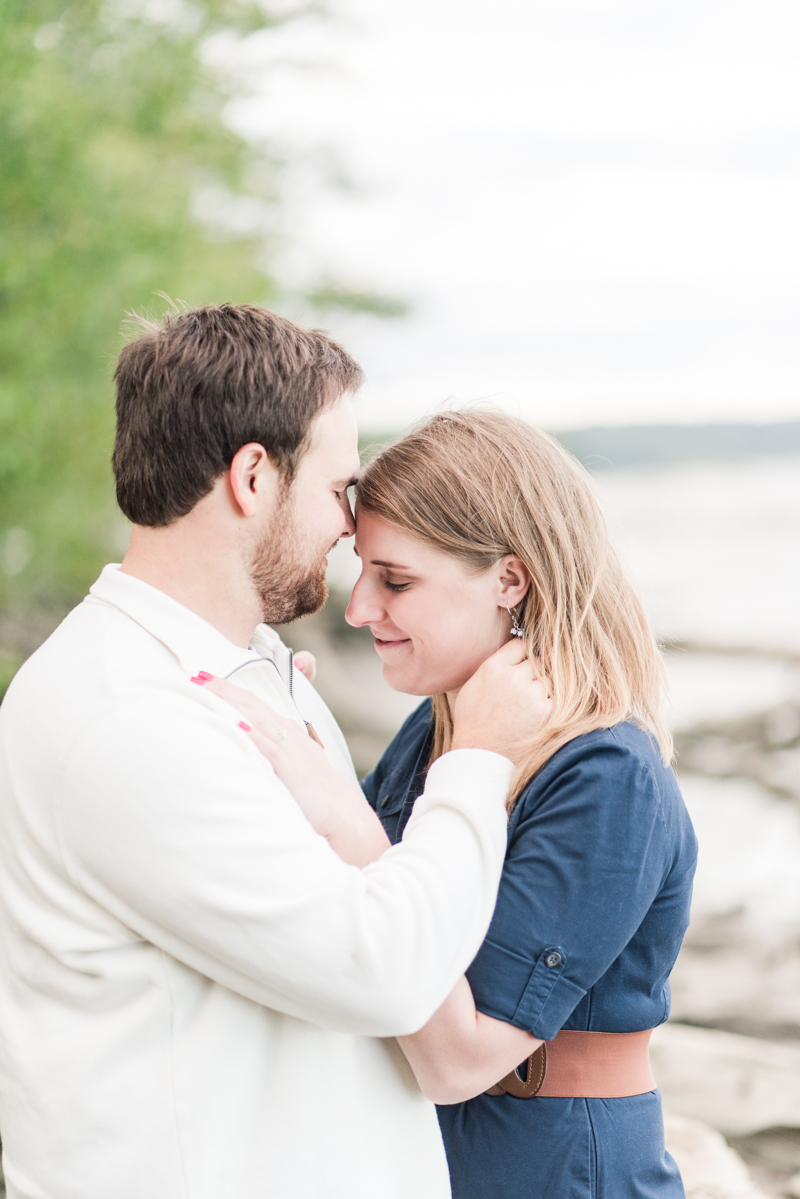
[{"x": 198, "y": 385}]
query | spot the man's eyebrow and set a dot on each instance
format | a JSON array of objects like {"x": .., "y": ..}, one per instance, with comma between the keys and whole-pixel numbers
[{"x": 340, "y": 484}]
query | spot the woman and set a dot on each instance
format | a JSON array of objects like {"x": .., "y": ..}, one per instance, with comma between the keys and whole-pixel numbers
[{"x": 473, "y": 529}]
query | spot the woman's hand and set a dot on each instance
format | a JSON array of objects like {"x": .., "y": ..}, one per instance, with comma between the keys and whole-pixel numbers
[
  {"x": 336, "y": 810},
  {"x": 502, "y": 705},
  {"x": 306, "y": 663}
]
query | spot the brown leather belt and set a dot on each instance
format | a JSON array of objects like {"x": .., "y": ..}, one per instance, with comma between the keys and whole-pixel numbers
[{"x": 584, "y": 1065}]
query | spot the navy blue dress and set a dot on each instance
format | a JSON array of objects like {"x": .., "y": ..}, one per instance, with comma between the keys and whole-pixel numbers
[{"x": 601, "y": 856}]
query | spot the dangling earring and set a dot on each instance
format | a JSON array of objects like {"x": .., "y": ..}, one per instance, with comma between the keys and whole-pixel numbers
[{"x": 516, "y": 628}]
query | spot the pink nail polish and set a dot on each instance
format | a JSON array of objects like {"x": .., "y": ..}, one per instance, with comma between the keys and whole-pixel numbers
[
  {"x": 244, "y": 726},
  {"x": 205, "y": 676},
  {"x": 200, "y": 682}
]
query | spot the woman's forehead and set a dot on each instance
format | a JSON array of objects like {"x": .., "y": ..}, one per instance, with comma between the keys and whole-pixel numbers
[{"x": 380, "y": 543}]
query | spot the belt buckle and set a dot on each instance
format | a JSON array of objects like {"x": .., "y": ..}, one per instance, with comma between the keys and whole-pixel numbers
[{"x": 531, "y": 1084}]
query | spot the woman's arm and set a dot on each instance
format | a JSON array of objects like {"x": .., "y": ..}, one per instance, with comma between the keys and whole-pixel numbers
[
  {"x": 336, "y": 810},
  {"x": 461, "y": 1052},
  {"x": 496, "y": 709}
]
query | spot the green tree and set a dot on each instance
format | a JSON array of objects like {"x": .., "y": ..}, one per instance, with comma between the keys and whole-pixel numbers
[{"x": 109, "y": 125}]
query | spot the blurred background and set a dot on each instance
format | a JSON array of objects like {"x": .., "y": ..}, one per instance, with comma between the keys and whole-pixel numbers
[{"x": 584, "y": 213}]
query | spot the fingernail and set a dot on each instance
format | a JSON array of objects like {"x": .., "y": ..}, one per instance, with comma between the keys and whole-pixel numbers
[
  {"x": 205, "y": 676},
  {"x": 244, "y": 726},
  {"x": 200, "y": 682},
  {"x": 299, "y": 665}
]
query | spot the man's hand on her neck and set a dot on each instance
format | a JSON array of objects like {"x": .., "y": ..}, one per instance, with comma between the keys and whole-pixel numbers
[{"x": 502, "y": 705}]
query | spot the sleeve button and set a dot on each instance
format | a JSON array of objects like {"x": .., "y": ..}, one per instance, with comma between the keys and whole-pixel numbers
[{"x": 552, "y": 959}]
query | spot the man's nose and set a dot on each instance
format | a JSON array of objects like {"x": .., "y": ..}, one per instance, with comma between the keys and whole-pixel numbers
[
  {"x": 364, "y": 607},
  {"x": 350, "y": 522}
]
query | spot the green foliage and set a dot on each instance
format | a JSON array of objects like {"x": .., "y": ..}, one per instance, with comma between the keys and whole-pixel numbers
[{"x": 108, "y": 125}]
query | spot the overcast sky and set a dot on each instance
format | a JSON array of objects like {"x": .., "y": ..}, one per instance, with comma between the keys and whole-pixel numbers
[{"x": 592, "y": 205}]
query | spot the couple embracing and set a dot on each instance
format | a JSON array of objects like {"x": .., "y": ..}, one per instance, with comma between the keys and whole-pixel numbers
[{"x": 229, "y": 972}]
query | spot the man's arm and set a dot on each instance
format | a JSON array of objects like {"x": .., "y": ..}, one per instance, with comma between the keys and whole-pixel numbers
[{"x": 174, "y": 823}]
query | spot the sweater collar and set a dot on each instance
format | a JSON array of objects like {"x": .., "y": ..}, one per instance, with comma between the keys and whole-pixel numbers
[{"x": 195, "y": 643}]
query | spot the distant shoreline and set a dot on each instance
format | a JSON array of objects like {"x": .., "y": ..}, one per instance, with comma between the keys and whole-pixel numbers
[
  {"x": 617, "y": 447},
  {"x": 611, "y": 448}
]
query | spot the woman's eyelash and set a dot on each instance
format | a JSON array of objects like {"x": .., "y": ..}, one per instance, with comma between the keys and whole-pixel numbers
[{"x": 396, "y": 586}]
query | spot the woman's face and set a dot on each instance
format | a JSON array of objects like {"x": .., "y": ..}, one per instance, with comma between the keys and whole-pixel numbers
[{"x": 433, "y": 619}]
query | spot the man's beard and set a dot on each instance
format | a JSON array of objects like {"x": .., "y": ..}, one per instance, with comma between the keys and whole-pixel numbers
[{"x": 287, "y": 585}]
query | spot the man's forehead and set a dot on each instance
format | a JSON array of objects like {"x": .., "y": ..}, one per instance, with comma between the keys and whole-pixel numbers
[
  {"x": 334, "y": 440},
  {"x": 335, "y": 423}
]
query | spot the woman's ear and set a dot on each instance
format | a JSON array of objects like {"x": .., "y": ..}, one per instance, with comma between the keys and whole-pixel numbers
[{"x": 513, "y": 581}]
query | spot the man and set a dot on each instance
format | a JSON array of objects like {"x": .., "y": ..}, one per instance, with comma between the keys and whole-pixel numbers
[{"x": 190, "y": 978}]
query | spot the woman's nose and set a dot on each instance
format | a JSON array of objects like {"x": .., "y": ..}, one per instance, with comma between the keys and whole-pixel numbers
[{"x": 363, "y": 607}]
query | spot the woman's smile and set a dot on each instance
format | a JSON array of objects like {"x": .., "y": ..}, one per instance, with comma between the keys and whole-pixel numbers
[{"x": 383, "y": 644}]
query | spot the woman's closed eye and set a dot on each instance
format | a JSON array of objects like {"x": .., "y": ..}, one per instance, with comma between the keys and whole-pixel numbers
[{"x": 396, "y": 586}]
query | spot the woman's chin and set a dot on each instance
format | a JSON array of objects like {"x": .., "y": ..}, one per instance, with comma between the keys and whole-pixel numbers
[{"x": 399, "y": 680}]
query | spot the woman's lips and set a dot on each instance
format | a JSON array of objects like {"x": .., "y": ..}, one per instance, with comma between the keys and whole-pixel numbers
[{"x": 380, "y": 643}]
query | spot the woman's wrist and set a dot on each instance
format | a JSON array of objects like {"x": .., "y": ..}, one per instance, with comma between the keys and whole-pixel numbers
[{"x": 355, "y": 833}]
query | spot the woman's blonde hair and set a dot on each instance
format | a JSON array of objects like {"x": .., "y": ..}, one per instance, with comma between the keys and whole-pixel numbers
[{"x": 480, "y": 485}]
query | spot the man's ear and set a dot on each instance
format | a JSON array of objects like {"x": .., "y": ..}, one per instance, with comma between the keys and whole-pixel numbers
[
  {"x": 254, "y": 479},
  {"x": 513, "y": 581}
]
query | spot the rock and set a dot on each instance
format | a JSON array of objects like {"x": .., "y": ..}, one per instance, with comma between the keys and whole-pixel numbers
[
  {"x": 750, "y": 985},
  {"x": 710, "y": 1168},
  {"x": 739, "y": 1085},
  {"x": 763, "y": 746},
  {"x": 792, "y": 1186}
]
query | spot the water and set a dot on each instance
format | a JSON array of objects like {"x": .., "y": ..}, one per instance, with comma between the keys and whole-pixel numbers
[{"x": 715, "y": 548}]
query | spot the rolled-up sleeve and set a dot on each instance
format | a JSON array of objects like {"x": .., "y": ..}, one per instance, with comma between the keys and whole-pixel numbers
[
  {"x": 175, "y": 824},
  {"x": 587, "y": 856}
]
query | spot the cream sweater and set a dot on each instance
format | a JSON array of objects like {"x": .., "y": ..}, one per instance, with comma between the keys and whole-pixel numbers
[{"x": 197, "y": 996}]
